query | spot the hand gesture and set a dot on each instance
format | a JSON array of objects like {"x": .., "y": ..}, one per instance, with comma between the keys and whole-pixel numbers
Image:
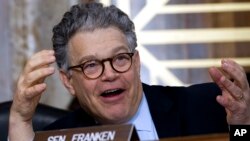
[
  {"x": 30, "y": 86},
  {"x": 235, "y": 96}
]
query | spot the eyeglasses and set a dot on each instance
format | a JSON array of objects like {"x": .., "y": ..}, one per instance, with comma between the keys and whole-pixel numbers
[{"x": 93, "y": 69}]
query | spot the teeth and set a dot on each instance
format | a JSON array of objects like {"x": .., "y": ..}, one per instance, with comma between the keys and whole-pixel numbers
[{"x": 110, "y": 91}]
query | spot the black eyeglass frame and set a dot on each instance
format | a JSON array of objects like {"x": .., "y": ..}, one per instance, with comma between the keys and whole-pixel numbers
[{"x": 103, "y": 66}]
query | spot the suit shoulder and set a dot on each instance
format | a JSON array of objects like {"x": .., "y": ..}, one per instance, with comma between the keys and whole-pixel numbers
[
  {"x": 192, "y": 89},
  {"x": 77, "y": 118}
]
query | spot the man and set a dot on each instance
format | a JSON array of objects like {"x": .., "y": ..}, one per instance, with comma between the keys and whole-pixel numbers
[{"x": 94, "y": 47}]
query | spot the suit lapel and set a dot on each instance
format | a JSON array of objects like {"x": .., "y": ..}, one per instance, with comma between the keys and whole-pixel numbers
[{"x": 163, "y": 111}]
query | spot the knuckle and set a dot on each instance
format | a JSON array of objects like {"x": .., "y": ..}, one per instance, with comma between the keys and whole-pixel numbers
[
  {"x": 22, "y": 92},
  {"x": 231, "y": 86},
  {"x": 28, "y": 80},
  {"x": 30, "y": 64},
  {"x": 233, "y": 70},
  {"x": 41, "y": 74},
  {"x": 44, "y": 72}
]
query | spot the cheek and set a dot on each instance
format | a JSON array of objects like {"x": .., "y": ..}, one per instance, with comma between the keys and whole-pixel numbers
[
  {"x": 84, "y": 91},
  {"x": 135, "y": 74},
  {"x": 133, "y": 80}
]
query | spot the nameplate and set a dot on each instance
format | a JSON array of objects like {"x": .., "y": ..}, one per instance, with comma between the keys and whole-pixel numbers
[{"x": 93, "y": 133}]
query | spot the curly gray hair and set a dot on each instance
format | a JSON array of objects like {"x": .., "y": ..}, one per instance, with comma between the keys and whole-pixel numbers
[{"x": 88, "y": 17}]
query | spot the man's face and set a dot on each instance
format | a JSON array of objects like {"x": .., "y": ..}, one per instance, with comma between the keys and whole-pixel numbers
[{"x": 113, "y": 97}]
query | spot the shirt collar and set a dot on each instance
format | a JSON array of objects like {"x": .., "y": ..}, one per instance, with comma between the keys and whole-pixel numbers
[{"x": 142, "y": 116}]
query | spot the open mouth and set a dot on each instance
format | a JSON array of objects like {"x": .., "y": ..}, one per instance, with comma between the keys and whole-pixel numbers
[{"x": 111, "y": 93}]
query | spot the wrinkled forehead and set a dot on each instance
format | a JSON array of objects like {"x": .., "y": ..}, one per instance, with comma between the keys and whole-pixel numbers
[{"x": 99, "y": 43}]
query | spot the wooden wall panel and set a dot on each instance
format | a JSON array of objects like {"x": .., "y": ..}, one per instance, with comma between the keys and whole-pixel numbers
[{"x": 184, "y": 17}]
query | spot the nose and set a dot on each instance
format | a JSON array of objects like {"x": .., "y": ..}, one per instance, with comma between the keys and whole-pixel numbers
[{"x": 109, "y": 74}]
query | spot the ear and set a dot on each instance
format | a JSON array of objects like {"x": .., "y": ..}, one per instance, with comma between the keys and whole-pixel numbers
[{"x": 66, "y": 81}]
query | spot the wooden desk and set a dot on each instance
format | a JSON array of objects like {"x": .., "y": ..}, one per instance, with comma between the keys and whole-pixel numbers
[{"x": 210, "y": 137}]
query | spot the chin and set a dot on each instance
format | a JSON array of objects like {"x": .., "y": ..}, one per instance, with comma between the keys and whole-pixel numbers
[{"x": 117, "y": 118}]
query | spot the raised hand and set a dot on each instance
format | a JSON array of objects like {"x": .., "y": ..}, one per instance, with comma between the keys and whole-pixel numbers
[
  {"x": 29, "y": 88},
  {"x": 235, "y": 96}
]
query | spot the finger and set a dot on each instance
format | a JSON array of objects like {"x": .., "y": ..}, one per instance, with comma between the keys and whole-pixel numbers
[
  {"x": 231, "y": 88},
  {"x": 227, "y": 103},
  {"x": 35, "y": 91},
  {"x": 225, "y": 84},
  {"x": 38, "y": 76},
  {"x": 24, "y": 104},
  {"x": 40, "y": 59},
  {"x": 233, "y": 63},
  {"x": 236, "y": 72},
  {"x": 216, "y": 76}
]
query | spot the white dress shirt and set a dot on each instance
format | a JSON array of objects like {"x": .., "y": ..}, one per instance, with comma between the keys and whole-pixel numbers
[{"x": 143, "y": 122}]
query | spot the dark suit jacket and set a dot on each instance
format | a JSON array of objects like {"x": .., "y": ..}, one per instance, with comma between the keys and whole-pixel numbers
[{"x": 176, "y": 111}]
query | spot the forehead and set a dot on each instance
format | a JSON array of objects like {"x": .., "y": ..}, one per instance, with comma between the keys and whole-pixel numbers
[{"x": 99, "y": 43}]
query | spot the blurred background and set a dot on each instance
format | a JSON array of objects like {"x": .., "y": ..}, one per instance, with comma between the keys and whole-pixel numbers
[{"x": 178, "y": 40}]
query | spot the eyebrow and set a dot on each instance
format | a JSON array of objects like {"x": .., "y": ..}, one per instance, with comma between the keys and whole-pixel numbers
[{"x": 93, "y": 57}]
